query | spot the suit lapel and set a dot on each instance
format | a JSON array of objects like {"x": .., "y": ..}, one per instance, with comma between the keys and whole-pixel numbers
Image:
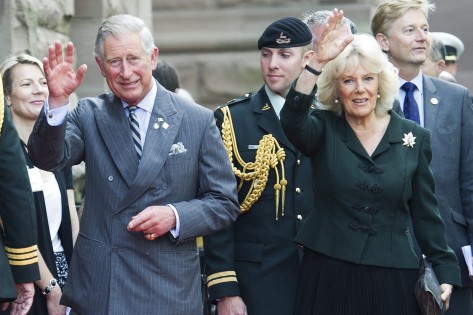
[
  {"x": 114, "y": 128},
  {"x": 162, "y": 130},
  {"x": 432, "y": 101},
  {"x": 269, "y": 121}
]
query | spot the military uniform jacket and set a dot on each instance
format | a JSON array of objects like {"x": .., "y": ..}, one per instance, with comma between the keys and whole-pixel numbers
[
  {"x": 257, "y": 258},
  {"x": 18, "y": 251},
  {"x": 363, "y": 202}
]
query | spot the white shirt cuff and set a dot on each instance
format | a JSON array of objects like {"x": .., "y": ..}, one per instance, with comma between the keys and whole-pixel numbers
[
  {"x": 56, "y": 116},
  {"x": 175, "y": 232}
]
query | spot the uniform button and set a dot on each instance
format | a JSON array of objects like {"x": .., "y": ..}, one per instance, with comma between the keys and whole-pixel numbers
[
  {"x": 115, "y": 217},
  {"x": 298, "y": 162},
  {"x": 115, "y": 250},
  {"x": 298, "y": 190},
  {"x": 148, "y": 252},
  {"x": 299, "y": 217},
  {"x": 164, "y": 186},
  {"x": 110, "y": 178}
]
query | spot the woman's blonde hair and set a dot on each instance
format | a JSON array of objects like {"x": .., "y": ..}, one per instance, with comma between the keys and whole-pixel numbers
[{"x": 364, "y": 51}]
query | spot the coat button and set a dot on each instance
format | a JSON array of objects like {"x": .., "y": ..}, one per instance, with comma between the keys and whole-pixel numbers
[
  {"x": 298, "y": 190},
  {"x": 299, "y": 217}
]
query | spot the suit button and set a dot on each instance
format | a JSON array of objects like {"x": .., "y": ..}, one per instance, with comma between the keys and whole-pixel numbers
[
  {"x": 110, "y": 178},
  {"x": 298, "y": 190},
  {"x": 299, "y": 217}
]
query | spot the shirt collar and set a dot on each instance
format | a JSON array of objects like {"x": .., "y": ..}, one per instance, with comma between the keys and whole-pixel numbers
[
  {"x": 419, "y": 83},
  {"x": 277, "y": 101},
  {"x": 147, "y": 102}
]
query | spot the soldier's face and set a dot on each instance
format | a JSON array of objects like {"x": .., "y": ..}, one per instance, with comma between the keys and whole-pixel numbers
[{"x": 281, "y": 66}]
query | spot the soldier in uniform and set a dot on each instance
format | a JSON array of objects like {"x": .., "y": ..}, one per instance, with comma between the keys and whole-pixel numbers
[
  {"x": 252, "y": 266},
  {"x": 18, "y": 250}
]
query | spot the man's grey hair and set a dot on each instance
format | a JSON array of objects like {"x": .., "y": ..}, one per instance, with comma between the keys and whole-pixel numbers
[
  {"x": 311, "y": 18},
  {"x": 122, "y": 24},
  {"x": 437, "y": 49}
]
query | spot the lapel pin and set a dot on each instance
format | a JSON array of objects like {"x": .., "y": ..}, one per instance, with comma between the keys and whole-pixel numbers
[
  {"x": 266, "y": 106},
  {"x": 160, "y": 119},
  {"x": 434, "y": 101},
  {"x": 165, "y": 125},
  {"x": 155, "y": 125}
]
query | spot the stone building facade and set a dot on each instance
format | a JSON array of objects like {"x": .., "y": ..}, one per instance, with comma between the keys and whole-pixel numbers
[{"x": 212, "y": 43}]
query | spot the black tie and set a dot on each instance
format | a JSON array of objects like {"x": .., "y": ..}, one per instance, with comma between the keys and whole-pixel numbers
[{"x": 411, "y": 110}]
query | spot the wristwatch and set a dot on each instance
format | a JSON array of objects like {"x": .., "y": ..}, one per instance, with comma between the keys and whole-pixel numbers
[{"x": 50, "y": 287}]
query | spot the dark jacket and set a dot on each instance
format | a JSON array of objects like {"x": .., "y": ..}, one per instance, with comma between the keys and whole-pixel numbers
[
  {"x": 256, "y": 258},
  {"x": 18, "y": 235},
  {"x": 363, "y": 202},
  {"x": 65, "y": 182}
]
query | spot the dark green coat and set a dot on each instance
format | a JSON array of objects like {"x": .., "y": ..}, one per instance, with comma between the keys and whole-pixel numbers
[
  {"x": 257, "y": 258},
  {"x": 18, "y": 238},
  {"x": 363, "y": 202}
]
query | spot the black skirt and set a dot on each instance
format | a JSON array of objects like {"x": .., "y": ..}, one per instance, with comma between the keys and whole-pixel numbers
[{"x": 328, "y": 286}]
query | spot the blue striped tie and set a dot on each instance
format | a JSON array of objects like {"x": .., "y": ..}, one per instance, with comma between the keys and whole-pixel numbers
[
  {"x": 135, "y": 130},
  {"x": 411, "y": 110}
]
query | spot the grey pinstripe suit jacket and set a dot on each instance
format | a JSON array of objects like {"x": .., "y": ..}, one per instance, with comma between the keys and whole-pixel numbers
[
  {"x": 448, "y": 114},
  {"x": 114, "y": 271}
]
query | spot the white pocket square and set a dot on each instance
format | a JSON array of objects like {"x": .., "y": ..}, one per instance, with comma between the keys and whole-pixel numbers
[{"x": 177, "y": 148}]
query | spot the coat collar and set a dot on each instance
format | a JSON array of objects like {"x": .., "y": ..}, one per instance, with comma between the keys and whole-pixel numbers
[{"x": 394, "y": 134}]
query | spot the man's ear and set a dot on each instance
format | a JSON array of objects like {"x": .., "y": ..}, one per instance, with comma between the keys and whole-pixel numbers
[
  {"x": 383, "y": 41},
  {"x": 441, "y": 65}
]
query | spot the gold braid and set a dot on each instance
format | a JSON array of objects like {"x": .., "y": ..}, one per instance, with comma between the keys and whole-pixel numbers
[
  {"x": 268, "y": 155},
  {"x": 2, "y": 112}
]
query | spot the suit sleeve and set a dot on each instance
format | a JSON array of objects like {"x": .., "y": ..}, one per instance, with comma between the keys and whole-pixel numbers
[
  {"x": 219, "y": 249},
  {"x": 466, "y": 161},
  {"x": 17, "y": 207}
]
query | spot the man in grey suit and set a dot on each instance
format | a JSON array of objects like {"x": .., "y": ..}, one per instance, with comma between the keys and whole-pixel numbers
[
  {"x": 147, "y": 195},
  {"x": 402, "y": 30}
]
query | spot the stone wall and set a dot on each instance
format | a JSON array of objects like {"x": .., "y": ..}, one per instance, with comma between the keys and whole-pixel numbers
[{"x": 212, "y": 43}]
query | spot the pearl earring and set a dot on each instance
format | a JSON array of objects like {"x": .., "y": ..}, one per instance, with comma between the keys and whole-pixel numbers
[
  {"x": 378, "y": 96},
  {"x": 336, "y": 101}
]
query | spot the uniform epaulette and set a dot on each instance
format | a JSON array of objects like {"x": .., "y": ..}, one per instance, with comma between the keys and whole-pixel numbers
[{"x": 238, "y": 100}]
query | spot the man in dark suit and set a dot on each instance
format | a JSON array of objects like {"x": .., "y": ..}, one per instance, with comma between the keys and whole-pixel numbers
[
  {"x": 154, "y": 180},
  {"x": 18, "y": 250},
  {"x": 252, "y": 266},
  {"x": 445, "y": 109}
]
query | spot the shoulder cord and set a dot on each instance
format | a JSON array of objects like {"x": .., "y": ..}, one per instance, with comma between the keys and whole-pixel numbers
[
  {"x": 268, "y": 155},
  {"x": 2, "y": 113}
]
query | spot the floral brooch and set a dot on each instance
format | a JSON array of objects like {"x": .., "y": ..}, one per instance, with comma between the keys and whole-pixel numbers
[{"x": 409, "y": 140}]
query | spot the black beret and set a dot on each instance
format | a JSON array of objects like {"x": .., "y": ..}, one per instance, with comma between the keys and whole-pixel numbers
[{"x": 284, "y": 33}]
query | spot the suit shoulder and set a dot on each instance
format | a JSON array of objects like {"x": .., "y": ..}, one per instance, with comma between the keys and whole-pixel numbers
[{"x": 452, "y": 86}]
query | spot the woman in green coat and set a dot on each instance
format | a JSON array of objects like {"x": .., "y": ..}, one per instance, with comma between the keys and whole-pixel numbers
[{"x": 371, "y": 175}]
